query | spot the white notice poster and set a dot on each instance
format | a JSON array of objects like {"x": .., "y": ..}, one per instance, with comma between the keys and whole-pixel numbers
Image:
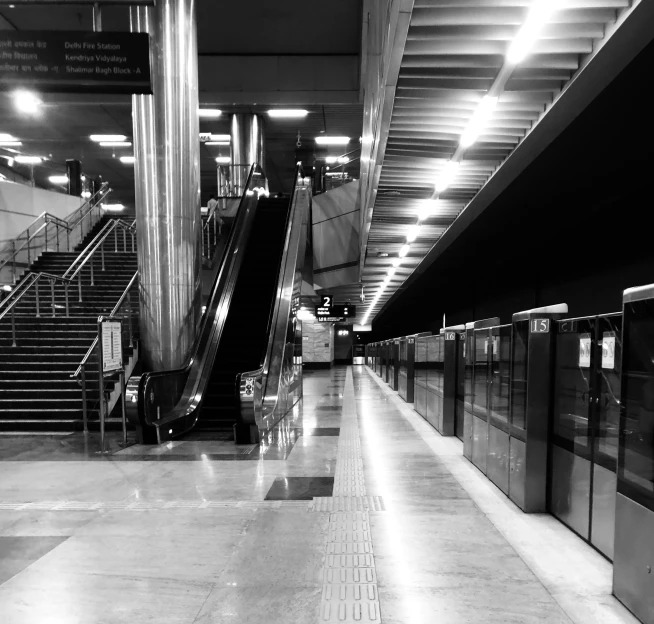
[
  {"x": 112, "y": 346},
  {"x": 608, "y": 350},
  {"x": 584, "y": 351}
]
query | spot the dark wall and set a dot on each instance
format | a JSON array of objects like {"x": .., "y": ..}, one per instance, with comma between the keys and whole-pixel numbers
[{"x": 573, "y": 228}]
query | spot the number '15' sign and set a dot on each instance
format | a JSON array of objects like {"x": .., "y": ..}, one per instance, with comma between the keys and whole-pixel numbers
[{"x": 539, "y": 326}]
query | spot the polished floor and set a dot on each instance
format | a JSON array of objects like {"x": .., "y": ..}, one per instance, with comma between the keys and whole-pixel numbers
[{"x": 354, "y": 509}]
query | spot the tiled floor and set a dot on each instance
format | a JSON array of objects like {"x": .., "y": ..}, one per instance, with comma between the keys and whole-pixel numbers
[{"x": 203, "y": 531}]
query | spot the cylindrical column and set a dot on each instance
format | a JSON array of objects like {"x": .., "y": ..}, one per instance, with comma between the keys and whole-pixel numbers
[
  {"x": 167, "y": 181},
  {"x": 248, "y": 146}
]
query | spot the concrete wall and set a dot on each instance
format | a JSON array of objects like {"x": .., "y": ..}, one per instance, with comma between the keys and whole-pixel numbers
[
  {"x": 21, "y": 204},
  {"x": 317, "y": 343}
]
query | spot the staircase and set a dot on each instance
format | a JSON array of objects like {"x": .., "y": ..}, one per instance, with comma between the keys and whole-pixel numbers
[{"x": 37, "y": 393}]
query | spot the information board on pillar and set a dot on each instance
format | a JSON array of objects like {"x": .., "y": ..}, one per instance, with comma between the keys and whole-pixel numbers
[
  {"x": 75, "y": 61},
  {"x": 112, "y": 346}
]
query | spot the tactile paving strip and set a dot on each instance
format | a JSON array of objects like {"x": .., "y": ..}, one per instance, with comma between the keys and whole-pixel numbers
[{"x": 350, "y": 581}]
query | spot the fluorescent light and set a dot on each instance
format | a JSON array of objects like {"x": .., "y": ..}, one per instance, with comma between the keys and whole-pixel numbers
[
  {"x": 397, "y": 262},
  {"x": 6, "y": 288},
  {"x": 128, "y": 160},
  {"x": 28, "y": 160},
  {"x": 391, "y": 271},
  {"x": 412, "y": 233},
  {"x": 427, "y": 209},
  {"x": 6, "y": 137},
  {"x": 479, "y": 120},
  {"x": 100, "y": 138},
  {"x": 343, "y": 160},
  {"x": 58, "y": 179},
  {"x": 217, "y": 143},
  {"x": 288, "y": 112},
  {"x": 115, "y": 144},
  {"x": 447, "y": 176},
  {"x": 86, "y": 194},
  {"x": 113, "y": 207},
  {"x": 220, "y": 137},
  {"x": 27, "y": 102},
  {"x": 330, "y": 160},
  {"x": 223, "y": 160},
  {"x": 404, "y": 250},
  {"x": 539, "y": 14},
  {"x": 10, "y": 143},
  {"x": 210, "y": 112},
  {"x": 332, "y": 140},
  {"x": 305, "y": 315}
]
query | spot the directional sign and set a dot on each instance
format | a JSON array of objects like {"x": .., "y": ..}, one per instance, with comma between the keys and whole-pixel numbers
[
  {"x": 112, "y": 346},
  {"x": 75, "y": 61}
]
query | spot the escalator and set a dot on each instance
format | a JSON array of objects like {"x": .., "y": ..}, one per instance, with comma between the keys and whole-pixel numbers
[
  {"x": 246, "y": 331},
  {"x": 241, "y": 374}
]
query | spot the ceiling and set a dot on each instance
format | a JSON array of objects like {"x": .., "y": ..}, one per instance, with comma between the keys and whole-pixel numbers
[
  {"x": 228, "y": 35},
  {"x": 453, "y": 54}
]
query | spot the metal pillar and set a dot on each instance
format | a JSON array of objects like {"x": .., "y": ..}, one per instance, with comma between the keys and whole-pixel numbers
[
  {"x": 248, "y": 145},
  {"x": 167, "y": 180}
]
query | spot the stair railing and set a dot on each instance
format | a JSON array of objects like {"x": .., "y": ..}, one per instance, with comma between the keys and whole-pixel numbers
[
  {"x": 32, "y": 281},
  {"x": 74, "y": 272},
  {"x": 34, "y": 240},
  {"x": 98, "y": 246},
  {"x": 210, "y": 236},
  {"x": 123, "y": 311}
]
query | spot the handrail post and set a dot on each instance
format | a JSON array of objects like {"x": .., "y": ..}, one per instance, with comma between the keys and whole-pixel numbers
[
  {"x": 92, "y": 275},
  {"x": 52, "y": 296},
  {"x": 129, "y": 305},
  {"x": 121, "y": 381},
  {"x": 67, "y": 239},
  {"x": 84, "y": 407},
  {"x": 66, "y": 295},
  {"x": 57, "y": 230},
  {"x": 101, "y": 255},
  {"x": 124, "y": 240},
  {"x": 13, "y": 260},
  {"x": 38, "y": 313},
  {"x": 29, "y": 255},
  {"x": 79, "y": 286},
  {"x": 101, "y": 387},
  {"x": 115, "y": 240},
  {"x": 46, "y": 235},
  {"x": 13, "y": 326},
  {"x": 133, "y": 246}
]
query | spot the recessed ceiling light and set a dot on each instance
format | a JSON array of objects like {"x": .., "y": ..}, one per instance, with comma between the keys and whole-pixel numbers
[
  {"x": 27, "y": 102},
  {"x": 10, "y": 143},
  {"x": 115, "y": 144},
  {"x": 223, "y": 160},
  {"x": 210, "y": 112},
  {"x": 28, "y": 160},
  {"x": 332, "y": 140},
  {"x": 58, "y": 179},
  {"x": 100, "y": 138},
  {"x": 128, "y": 160},
  {"x": 288, "y": 113},
  {"x": 6, "y": 137},
  {"x": 113, "y": 207}
]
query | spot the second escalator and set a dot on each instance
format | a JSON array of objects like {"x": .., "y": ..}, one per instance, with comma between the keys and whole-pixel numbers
[{"x": 245, "y": 337}]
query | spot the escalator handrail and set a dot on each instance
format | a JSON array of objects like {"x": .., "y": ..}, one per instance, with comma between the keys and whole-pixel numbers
[
  {"x": 213, "y": 320},
  {"x": 264, "y": 400}
]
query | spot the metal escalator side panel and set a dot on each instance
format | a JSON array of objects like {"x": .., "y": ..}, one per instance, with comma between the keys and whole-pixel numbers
[
  {"x": 168, "y": 402},
  {"x": 268, "y": 393}
]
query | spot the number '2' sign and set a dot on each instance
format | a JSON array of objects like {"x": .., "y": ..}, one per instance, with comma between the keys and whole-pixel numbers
[{"x": 539, "y": 326}]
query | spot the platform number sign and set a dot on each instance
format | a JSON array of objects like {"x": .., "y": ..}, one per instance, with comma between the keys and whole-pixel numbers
[
  {"x": 327, "y": 301},
  {"x": 450, "y": 335},
  {"x": 539, "y": 326}
]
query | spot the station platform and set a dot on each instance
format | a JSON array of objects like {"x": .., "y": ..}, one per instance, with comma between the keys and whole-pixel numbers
[{"x": 353, "y": 509}]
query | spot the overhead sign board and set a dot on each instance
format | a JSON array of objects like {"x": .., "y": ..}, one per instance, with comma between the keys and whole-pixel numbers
[
  {"x": 112, "y": 346},
  {"x": 75, "y": 61},
  {"x": 343, "y": 312}
]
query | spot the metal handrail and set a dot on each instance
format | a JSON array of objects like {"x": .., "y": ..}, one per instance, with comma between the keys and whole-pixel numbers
[
  {"x": 32, "y": 280},
  {"x": 123, "y": 297},
  {"x": 69, "y": 224},
  {"x": 98, "y": 244}
]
